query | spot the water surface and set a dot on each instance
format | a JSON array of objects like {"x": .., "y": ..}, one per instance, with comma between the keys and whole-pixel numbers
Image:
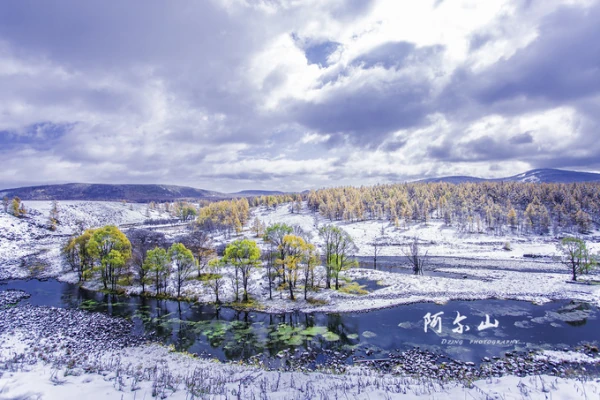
[{"x": 229, "y": 334}]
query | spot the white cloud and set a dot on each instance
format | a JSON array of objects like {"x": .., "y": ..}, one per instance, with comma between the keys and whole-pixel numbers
[{"x": 197, "y": 91}]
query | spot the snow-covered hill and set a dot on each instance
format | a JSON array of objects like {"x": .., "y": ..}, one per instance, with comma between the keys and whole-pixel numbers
[
  {"x": 109, "y": 192},
  {"x": 29, "y": 239},
  {"x": 544, "y": 175}
]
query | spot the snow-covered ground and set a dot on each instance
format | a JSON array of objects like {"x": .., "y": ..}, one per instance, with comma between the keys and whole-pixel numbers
[
  {"x": 488, "y": 269},
  {"x": 437, "y": 238},
  {"x": 152, "y": 371}
]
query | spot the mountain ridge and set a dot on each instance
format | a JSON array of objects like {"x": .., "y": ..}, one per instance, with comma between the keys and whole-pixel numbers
[
  {"x": 162, "y": 192},
  {"x": 109, "y": 192},
  {"x": 540, "y": 175}
]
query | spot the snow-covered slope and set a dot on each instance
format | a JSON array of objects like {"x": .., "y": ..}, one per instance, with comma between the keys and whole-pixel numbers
[
  {"x": 543, "y": 175},
  {"x": 30, "y": 237},
  {"x": 436, "y": 238}
]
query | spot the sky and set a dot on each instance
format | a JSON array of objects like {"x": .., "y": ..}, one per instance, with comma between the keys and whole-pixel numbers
[{"x": 295, "y": 94}]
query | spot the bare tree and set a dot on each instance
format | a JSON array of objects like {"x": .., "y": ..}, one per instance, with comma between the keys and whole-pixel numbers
[
  {"x": 201, "y": 245},
  {"x": 143, "y": 240},
  {"x": 377, "y": 243},
  {"x": 216, "y": 280},
  {"x": 415, "y": 256},
  {"x": 269, "y": 257}
]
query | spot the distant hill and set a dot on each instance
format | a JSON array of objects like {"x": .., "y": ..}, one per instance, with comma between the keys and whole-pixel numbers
[
  {"x": 453, "y": 179},
  {"x": 545, "y": 175},
  {"x": 108, "y": 192},
  {"x": 252, "y": 193},
  {"x": 554, "y": 176}
]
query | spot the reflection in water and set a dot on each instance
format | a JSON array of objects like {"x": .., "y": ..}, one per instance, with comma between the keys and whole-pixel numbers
[{"x": 230, "y": 334}]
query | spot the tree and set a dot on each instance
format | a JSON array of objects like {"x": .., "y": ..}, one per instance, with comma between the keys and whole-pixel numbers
[
  {"x": 5, "y": 203},
  {"x": 258, "y": 228},
  {"x": 583, "y": 221},
  {"x": 513, "y": 221},
  {"x": 269, "y": 258},
  {"x": 18, "y": 208},
  {"x": 53, "y": 216},
  {"x": 377, "y": 243},
  {"x": 576, "y": 256},
  {"x": 293, "y": 248},
  {"x": 545, "y": 222},
  {"x": 244, "y": 255},
  {"x": 415, "y": 256},
  {"x": 142, "y": 241},
  {"x": 156, "y": 266},
  {"x": 328, "y": 234},
  {"x": 201, "y": 245},
  {"x": 216, "y": 280},
  {"x": 343, "y": 249},
  {"x": 186, "y": 212},
  {"x": 110, "y": 250},
  {"x": 274, "y": 235},
  {"x": 310, "y": 261},
  {"x": 78, "y": 256},
  {"x": 339, "y": 247},
  {"x": 183, "y": 264},
  {"x": 447, "y": 218}
]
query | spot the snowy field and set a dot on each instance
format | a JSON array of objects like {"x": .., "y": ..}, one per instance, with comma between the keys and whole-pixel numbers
[
  {"x": 152, "y": 371},
  {"x": 437, "y": 238}
]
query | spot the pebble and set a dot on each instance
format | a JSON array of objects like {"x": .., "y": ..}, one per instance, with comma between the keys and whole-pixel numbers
[{"x": 11, "y": 296}]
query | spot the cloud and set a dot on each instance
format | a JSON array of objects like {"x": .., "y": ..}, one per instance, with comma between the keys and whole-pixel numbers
[
  {"x": 521, "y": 138},
  {"x": 241, "y": 94},
  {"x": 560, "y": 66}
]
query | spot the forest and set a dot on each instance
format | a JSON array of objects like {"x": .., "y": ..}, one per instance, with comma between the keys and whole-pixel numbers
[
  {"x": 486, "y": 207},
  {"x": 473, "y": 207}
]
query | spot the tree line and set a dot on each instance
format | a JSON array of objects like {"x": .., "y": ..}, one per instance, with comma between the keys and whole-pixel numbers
[
  {"x": 146, "y": 257},
  {"x": 138, "y": 256},
  {"x": 473, "y": 207}
]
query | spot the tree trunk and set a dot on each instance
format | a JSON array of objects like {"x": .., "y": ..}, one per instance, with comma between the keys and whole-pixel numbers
[
  {"x": 305, "y": 284},
  {"x": 245, "y": 284},
  {"x": 269, "y": 278},
  {"x": 291, "y": 288}
]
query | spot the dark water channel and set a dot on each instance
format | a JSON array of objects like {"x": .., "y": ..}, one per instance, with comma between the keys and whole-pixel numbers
[
  {"x": 399, "y": 265},
  {"x": 228, "y": 334}
]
